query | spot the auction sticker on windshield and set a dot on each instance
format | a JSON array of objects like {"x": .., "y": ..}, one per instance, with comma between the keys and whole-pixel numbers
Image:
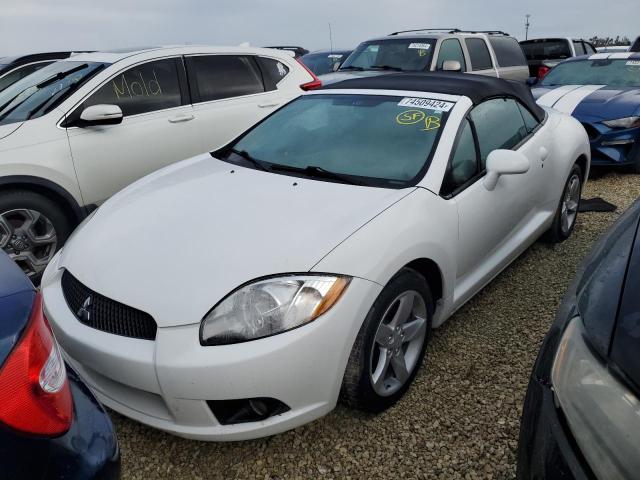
[
  {"x": 419, "y": 46},
  {"x": 427, "y": 103}
]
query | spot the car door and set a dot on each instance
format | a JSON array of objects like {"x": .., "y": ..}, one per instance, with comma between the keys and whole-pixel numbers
[
  {"x": 480, "y": 57},
  {"x": 157, "y": 129},
  {"x": 491, "y": 223},
  {"x": 450, "y": 49},
  {"x": 510, "y": 58},
  {"x": 231, "y": 93}
]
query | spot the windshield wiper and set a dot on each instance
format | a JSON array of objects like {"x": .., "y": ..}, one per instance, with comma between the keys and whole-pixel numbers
[
  {"x": 387, "y": 67},
  {"x": 253, "y": 161},
  {"x": 314, "y": 171},
  {"x": 61, "y": 75},
  {"x": 351, "y": 67}
]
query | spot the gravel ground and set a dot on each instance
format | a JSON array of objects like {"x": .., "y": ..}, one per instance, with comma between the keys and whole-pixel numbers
[{"x": 459, "y": 420}]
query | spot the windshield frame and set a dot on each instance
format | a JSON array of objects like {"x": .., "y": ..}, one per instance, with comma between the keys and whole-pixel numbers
[
  {"x": 409, "y": 40},
  {"x": 224, "y": 153},
  {"x": 589, "y": 59}
]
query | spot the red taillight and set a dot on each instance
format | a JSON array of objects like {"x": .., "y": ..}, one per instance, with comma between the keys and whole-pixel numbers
[
  {"x": 35, "y": 396},
  {"x": 313, "y": 84},
  {"x": 542, "y": 71}
]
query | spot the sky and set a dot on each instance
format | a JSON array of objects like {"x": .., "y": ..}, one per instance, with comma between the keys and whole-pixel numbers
[{"x": 28, "y": 26}]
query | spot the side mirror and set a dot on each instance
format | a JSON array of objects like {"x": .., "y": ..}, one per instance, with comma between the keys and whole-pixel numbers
[
  {"x": 504, "y": 162},
  {"x": 451, "y": 66},
  {"x": 101, "y": 115},
  {"x": 531, "y": 81}
]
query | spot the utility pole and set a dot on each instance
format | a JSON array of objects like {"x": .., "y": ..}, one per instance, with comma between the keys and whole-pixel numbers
[
  {"x": 526, "y": 26},
  {"x": 330, "y": 37}
]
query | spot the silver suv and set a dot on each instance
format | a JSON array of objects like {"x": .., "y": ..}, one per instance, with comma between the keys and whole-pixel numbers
[{"x": 492, "y": 53}]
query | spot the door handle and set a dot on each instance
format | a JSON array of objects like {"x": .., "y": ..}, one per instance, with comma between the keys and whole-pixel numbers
[
  {"x": 268, "y": 105},
  {"x": 544, "y": 153},
  {"x": 181, "y": 118}
]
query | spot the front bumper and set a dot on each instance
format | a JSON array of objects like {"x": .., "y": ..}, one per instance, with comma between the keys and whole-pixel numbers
[
  {"x": 166, "y": 383},
  {"x": 611, "y": 146}
]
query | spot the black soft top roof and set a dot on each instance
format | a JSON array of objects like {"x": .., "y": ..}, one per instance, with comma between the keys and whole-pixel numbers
[{"x": 477, "y": 87}]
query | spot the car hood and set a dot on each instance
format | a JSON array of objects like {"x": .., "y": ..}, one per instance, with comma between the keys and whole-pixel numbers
[
  {"x": 6, "y": 130},
  {"x": 339, "y": 76},
  {"x": 176, "y": 242},
  {"x": 590, "y": 102}
]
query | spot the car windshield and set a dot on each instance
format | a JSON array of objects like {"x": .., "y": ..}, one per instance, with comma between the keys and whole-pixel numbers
[
  {"x": 323, "y": 63},
  {"x": 622, "y": 73},
  {"x": 551, "y": 49},
  {"x": 398, "y": 54},
  {"x": 40, "y": 92},
  {"x": 371, "y": 140}
]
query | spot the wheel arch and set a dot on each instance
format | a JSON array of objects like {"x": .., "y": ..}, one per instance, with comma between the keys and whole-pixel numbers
[
  {"x": 432, "y": 273},
  {"x": 51, "y": 190},
  {"x": 583, "y": 162}
]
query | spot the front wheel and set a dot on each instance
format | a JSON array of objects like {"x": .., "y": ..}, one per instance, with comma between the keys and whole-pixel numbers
[
  {"x": 391, "y": 344},
  {"x": 32, "y": 229},
  {"x": 567, "y": 213}
]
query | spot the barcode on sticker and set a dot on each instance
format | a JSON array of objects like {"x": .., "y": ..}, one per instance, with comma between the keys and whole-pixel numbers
[
  {"x": 421, "y": 46},
  {"x": 633, "y": 63},
  {"x": 427, "y": 103}
]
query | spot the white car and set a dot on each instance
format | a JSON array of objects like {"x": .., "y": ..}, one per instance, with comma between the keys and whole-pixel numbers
[
  {"x": 75, "y": 132},
  {"x": 240, "y": 294}
]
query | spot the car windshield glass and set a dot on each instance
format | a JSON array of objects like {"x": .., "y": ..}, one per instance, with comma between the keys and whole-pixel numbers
[
  {"x": 43, "y": 90},
  {"x": 552, "y": 49},
  {"x": 323, "y": 63},
  {"x": 366, "y": 139},
  {"x": 615, "y": 73},
  {"x": 398, "y": 54}
]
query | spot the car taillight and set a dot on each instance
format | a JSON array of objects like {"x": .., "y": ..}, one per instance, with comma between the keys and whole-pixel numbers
[
  {"x": 313, "y": 84},
  {"x": 35, "y": 397},
  {"x": 542, "y": 71}
]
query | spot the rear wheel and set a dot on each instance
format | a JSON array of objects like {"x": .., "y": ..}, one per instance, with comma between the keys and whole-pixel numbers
[
  {"x": 567, "y": 212},
  {"x": 391, "y": 344},
  {"x": 32, "y": 229}
]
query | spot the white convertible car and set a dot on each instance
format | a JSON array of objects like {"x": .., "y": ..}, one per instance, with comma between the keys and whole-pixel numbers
[{"x": 240, "y": 294}]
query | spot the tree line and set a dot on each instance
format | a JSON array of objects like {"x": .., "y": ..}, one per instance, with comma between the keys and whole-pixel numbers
[{"x": 610, "y": 41}]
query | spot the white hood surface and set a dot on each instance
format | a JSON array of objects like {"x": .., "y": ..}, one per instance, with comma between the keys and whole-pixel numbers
[{"x": 176, "y": 242}]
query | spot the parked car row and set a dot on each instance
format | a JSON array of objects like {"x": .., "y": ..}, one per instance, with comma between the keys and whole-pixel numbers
[{"x": 272, "y": 266}]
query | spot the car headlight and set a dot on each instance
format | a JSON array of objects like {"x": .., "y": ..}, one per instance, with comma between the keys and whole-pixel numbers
[
  {"x": 627, "y": 122},
  {"x": 602, "y": 413},
  {"x": 271, "y": 306}
]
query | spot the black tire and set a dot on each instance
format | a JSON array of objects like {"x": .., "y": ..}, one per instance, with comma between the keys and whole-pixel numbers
[
  {"x": 556, "y": 233},
  {"x": 24, "y": 199},
  {"x": 357, "y": 386}
]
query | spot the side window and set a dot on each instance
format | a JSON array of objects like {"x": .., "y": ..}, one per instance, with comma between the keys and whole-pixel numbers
[
  {"x": 478, "y": 54},
  {"x": 499, "y": 124},
  {"x": 451, "y": 49},
  {"x": 589, "y": 48},
  {"x": 273, "y": 71},
  {"x": 19, "y": 73},
  {"x": 464, "y": 161},
  {"x": 529, "y": 120},
  {"x": 508, "y": 51},
  {"x": 578, "y": 47},
  {"x": 224, "y": 76},
  {"x": 147, "y": 87}
]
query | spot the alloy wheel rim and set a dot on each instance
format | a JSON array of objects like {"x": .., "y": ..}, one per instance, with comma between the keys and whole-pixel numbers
[
  {"x": 398, "y": 343},
  {"x": 29, "y": 238},
  {"x": 570, "y": 203}
]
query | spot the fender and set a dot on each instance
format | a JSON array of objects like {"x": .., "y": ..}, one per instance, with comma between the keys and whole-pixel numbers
[{"x": 43, "y": 185}]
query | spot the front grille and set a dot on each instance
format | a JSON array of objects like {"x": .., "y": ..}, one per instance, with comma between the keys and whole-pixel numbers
[{"x": 102, "y": 313}]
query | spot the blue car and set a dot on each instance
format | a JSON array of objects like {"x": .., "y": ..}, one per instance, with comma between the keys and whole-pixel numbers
[
  {"x": 602, "y": 91},
  {"x": 581, "y": 415},
  {"x": 51, "y": 425}
]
